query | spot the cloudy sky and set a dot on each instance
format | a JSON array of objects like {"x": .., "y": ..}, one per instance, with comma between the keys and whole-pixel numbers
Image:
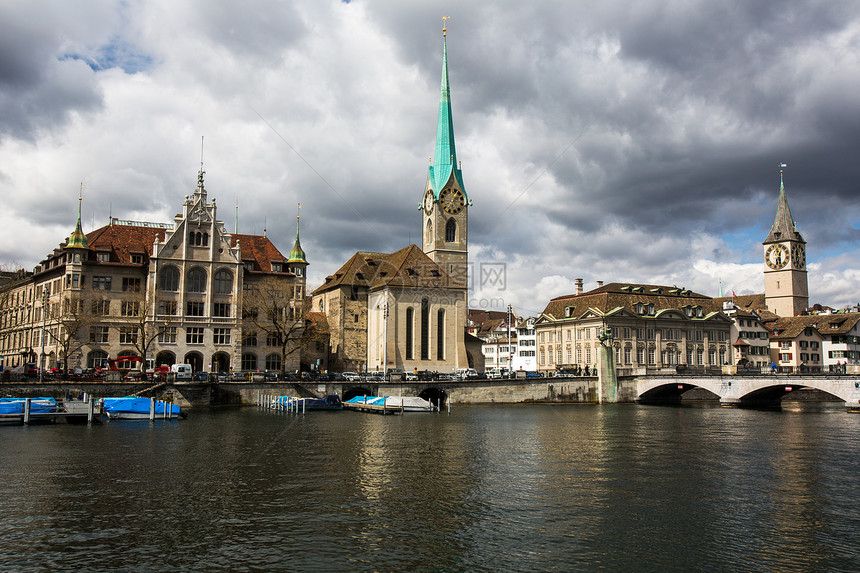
[{"x": 612, "y": 141}]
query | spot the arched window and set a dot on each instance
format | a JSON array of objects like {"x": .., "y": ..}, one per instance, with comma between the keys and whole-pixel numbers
[
  {"x": 440, "y": 334},
  {"x": 425, "y": 329},
  {"x": 451, "y": 231},
  {"x": 205, "y": 239},
  {"x": 410, "y": 315},
  {"x": 273, "y": 362},
  {"x": 198, "y": 238},
  {"x": 169, "y": 279},
  {"x": 96, "y": 359},
  {"x": 223, "y": 282},
  {"x": 191, "y": 238},
  {"x": 196, "y": 281},
  {"x": 428, "y": 236}
]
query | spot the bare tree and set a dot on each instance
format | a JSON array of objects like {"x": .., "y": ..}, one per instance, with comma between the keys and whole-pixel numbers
[
  {"x": 69, "y": 320},
  {"x": 148, "y": 320},
  {"x": 277, "y": 310}
]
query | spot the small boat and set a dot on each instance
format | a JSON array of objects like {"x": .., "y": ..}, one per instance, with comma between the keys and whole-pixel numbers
[
  {"x": 136, "y": 408},
  {"x": 37, "y": 405},
  {"x": 410, "y": 403},
  {"x": 393, "y": 403},
  {"x": 327, "y": 402}
]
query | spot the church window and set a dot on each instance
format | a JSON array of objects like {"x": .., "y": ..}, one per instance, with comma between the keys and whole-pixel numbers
[
  {"x": 428, "y": 237},
  {"x": 440, "y": 335},
  {"x": 205, "y": 239},
  {"x": 451, "y": 231},
  {"x": 425, "y": 329},
  {"x": 409, "y": 320}
]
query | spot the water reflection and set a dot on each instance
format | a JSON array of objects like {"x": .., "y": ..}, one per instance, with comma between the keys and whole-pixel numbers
[{"x": 485, "y": 488}]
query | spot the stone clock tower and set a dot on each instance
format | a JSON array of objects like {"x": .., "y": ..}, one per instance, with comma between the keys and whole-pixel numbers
[
  {"x": 785, "y": 287},
  {"x": 445, "y": 205}
]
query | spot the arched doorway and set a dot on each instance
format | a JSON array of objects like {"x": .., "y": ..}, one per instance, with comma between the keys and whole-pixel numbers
[
  {"x": 220, "y": 362},
  {"x": 165, "y": 358},
  {"x": 195, "y": 359}
]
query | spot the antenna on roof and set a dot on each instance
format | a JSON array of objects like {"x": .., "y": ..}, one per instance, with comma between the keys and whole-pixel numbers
[{"x": 236, "y": 231}]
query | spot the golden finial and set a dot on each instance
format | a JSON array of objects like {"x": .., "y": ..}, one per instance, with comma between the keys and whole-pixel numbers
[
  {"x": 444, "y": 24},
  {"x": 299, "y": 215}
]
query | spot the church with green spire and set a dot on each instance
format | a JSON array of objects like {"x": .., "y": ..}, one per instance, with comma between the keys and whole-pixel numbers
[{"x": 445, "y": 205}]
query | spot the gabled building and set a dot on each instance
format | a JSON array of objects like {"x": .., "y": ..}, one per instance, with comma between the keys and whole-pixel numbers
[
  {"x": 162, "y": 293},
  {"x": 821, "y": 342},
  {"x": 395, "y": 310},
  {"x": 651, "y": 326}
]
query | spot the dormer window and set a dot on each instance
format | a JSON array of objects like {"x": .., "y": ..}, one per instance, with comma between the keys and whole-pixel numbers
[
  {"x": 277, "y": 267},
  {"x": 651, "y": 308},
  {"x": 699, "y": 312},
  {"x": 248, "y": 265},
  {"x": 640, "y": 308},
  {"x": 568, "y": 311},
  {"x": 137, "y": 259},
  {"x": 103, "y": 257}
]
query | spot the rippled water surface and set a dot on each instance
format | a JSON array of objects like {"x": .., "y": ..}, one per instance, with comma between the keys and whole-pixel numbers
[{"x": 515, "y": 488}]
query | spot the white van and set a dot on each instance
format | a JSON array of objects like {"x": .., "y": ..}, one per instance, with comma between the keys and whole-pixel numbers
[{"x": 181, "y": 371}]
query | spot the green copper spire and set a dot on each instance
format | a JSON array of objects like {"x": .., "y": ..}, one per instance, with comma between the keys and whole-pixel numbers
[
  {"x": 297, "y": 255},
  {"x": 445, "y": 159},
  {"x": 78, "y": 240}
]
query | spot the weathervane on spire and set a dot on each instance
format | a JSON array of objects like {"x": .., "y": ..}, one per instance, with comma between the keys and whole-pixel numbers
[
  {"x": 781, "y": 167},
  {"x": 444, "y": 25},
  {"x": 299, "y": 214}
]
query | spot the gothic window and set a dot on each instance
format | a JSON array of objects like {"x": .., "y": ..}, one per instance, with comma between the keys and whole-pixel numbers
[
  {"x": 425, "y": 329},
  {"x": 451, "y": 231},
  {"x": 409, "y": 319},
  {"x": 169, "y": 279},
  {"x": 205, "y": 239},
  {"x": 428, "y": 236},
  {"x": 196, "y": 280},
  {"x": 440, "y": 335},
  {"x": 223, "y": 282}
]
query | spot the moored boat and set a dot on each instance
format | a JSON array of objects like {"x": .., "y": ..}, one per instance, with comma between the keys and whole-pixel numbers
[
  {"x": 136, "y": 408},
  {"x": 37, "y": 405},
  {"x": 327, "y": 402}
]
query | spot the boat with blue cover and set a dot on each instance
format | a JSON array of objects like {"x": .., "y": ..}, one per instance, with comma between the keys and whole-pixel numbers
[
  {"x": 327, "y": 402},
  {"x": 389, "y": 403},
  {"x": 37, "y": 405},
  {"x": 137, "y": 408}
]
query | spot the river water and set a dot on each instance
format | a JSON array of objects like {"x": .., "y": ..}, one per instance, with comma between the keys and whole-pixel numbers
[{"x": 504, "y": 488}]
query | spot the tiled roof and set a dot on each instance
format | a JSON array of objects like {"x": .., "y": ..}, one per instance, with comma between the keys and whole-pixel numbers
[
  {"x": 123, "y": 241},
  {"x": 790, "y": 327},
  {"x": 624, "y": 295},
  {"x": 260, "y": 250},
  {"x": 408, "y": 267}
]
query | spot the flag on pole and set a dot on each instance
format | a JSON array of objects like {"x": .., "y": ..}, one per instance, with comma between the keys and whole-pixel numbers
[
  {"x": 733, "y": 294},
  {"x": 783, "y": 165}
]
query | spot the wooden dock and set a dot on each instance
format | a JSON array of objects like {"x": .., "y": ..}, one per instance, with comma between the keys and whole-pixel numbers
[
  {"x": 70, "y": 412},
  {"x": 373, "y": 408}
]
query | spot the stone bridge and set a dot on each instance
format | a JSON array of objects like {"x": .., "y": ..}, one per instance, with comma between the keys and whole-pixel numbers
[{"x": 759, "y": 390}]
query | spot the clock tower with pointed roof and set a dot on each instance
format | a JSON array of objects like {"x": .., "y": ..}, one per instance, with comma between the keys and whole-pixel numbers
[
  {"x": 785, "y": 287},
  {"x": 445, "y": 204}
]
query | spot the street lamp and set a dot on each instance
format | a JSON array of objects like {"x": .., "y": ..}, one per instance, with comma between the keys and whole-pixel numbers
[{"x": 44, "y": 319}]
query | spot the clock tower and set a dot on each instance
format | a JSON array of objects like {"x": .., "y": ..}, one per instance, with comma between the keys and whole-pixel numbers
[
  {"x": 785, "y": 287},
  {"x": 445, "y": 204}
]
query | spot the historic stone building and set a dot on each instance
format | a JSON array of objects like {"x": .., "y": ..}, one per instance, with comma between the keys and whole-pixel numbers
[
  {"x": 651, "y": 326},
  {"x": 161, "y": 292}
]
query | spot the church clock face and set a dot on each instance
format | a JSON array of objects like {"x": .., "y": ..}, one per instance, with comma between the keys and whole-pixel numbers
[
  {"x": 798, "y": 256},
  {"x": 776, "y": 256},
  {"x": 452, "y": 200},
  {"x": 428, "y": 202}
]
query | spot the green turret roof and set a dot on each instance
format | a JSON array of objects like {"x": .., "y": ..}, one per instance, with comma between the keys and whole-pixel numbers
[
  {"x": 445, "y": 158},
  {"x": 297, "y": 255},
  {"x": 77, "y": 240}
]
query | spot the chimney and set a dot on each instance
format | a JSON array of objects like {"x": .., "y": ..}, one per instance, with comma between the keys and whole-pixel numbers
[
  {"x": 578, "y": 286},
  {"x": 599, "y": 284}
]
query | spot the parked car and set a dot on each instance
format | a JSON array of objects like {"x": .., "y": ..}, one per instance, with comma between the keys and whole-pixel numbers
[{"x": 352, "y": 376}]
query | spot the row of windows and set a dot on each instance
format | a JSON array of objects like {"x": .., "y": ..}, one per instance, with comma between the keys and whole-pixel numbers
[
  {"x": 425, "y": 332},
  {"x": 222, "y": 282},
  {"x": 641, "y": 333},
  {"x": 669, "y": 357}
]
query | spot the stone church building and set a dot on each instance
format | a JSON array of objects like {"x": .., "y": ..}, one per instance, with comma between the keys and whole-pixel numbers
[{"x": 407, "y": 310}]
